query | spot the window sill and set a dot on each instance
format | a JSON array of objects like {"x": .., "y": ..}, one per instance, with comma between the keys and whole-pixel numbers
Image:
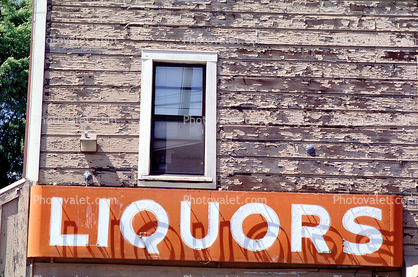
[
  {"x": 176, "y": 178},
  {"x": 177, "y": 181}
]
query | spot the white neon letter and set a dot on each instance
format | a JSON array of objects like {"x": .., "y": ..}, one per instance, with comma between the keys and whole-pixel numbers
[
  {"x": 374, "y": 235},
  {"x": 213, "y": 228},
  {"x": 272, "y": 222},
  {"x": 150, "y": 242},
  {"x": 316, "y": 234},
  {"x": 103, "y": 225},
  {"x": 55, "y": 236}
]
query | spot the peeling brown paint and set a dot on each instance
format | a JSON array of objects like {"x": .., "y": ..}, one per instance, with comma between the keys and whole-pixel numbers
[
  {"x": 340, "y": 75},
  {"x": 401, "y": 55}
]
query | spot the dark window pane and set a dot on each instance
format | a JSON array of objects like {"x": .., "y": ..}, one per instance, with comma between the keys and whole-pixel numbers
[
  {"x": 178, "y": 90},
  {"x": 178, "y": 147}
]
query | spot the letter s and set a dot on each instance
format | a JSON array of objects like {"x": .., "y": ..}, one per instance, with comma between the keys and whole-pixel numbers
[{"x": 374, "y": 235}]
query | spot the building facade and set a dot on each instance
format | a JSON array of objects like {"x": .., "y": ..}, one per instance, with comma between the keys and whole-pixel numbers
[{"x": 308, "y": 108}]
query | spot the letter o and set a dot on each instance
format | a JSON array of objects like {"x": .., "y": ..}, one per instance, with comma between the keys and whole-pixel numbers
[
  {"x": 272, "y": 231},
  {"x": 150, "y": 242}
]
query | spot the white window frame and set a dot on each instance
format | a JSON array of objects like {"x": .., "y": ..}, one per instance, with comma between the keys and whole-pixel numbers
[{"x": 208, "y": 179}]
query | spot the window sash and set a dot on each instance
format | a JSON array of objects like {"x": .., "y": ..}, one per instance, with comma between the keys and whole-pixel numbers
[
  {"x": 199, "y": 110},
  {"x": 181, "y": 154}
]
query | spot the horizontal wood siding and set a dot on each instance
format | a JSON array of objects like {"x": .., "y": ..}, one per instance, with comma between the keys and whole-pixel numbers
[
  {"x": 340, "y": 75},
  {"x": 354, "y": 7}
]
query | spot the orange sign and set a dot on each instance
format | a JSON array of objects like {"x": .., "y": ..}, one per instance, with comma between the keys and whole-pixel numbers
[{"x": 223, "y": 226}]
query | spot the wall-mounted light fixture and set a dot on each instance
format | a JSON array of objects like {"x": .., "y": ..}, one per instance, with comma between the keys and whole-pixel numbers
[{"x": 88, "y": 142}]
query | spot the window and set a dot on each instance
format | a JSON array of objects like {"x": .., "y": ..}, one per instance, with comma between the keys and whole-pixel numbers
[
  {"x": 177, "y": 141},
  {"x": 178, "y": 119}
]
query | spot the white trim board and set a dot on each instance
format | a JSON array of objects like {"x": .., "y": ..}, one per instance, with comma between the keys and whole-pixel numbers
[{"x": 33, "y": 145}]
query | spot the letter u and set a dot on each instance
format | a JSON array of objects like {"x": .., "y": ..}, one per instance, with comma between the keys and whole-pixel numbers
[{"x": 213, "y": 228}]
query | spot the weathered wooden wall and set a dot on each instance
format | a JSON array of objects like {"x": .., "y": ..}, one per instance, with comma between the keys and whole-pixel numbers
[
  {"x": 14, "y": 214},
  {"x": 340, "y": 75}
]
